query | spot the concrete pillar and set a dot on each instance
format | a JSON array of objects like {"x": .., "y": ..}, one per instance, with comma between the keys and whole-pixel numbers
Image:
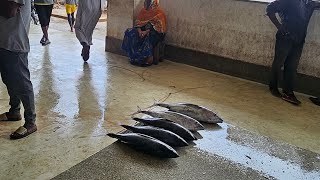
[{"x": 120, "y": 17}]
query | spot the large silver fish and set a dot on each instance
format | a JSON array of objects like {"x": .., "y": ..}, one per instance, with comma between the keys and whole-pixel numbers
[
  {"x": 163, "y": 135},
  {"x": 199, "y": 113},
  {"x": 168, "y": 125},
  {"x": 183, "y": 120},
  {"x": 147, "y": 144}
]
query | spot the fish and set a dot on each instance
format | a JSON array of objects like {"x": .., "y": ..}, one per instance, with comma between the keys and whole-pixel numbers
[
  {"x": 185, "y": 121},
  {"x": 202, "y": 114},
  {"x": 168, "y": 125},
  {"x": 163, "y": 135},
  {"x": 146, "y": 144}
]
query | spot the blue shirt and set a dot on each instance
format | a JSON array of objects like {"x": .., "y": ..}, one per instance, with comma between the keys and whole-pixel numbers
[{"x": 294, "y": 14}]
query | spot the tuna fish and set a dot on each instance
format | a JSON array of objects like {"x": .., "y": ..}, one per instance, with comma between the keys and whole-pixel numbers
[
  {"x": 146, "y": 144},
  {"x": 168, "y": 125},
  {"x": 199, "y": 113},
  {"x": 185, "y": 121},
  {"x": 163, "y": 135}
]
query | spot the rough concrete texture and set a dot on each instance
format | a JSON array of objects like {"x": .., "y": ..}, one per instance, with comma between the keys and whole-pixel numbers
[
  {"x": 224, "y": 152},
  {"x": 78, "y": 104},
  {"x": 120, "y": 17},
  {"x": 238, "y": 30},
  {"x": 234, "y": 29}
]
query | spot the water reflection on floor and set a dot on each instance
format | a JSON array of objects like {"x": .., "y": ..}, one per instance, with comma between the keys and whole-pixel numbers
[
  {"x": 276, "y": 159},
  {"x": 77, "y": 104}
]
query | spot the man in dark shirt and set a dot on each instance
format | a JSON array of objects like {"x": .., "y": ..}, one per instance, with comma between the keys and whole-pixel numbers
[{"x": 292, "y": 29}]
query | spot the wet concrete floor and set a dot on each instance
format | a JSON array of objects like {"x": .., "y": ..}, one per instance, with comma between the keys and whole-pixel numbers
[
  {"x": 77, "y": 104},
  {"x": 222, "y": 152}
]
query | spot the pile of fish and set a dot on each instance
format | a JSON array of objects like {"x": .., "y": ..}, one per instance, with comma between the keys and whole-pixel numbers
[{"x": 167, "y": 129}]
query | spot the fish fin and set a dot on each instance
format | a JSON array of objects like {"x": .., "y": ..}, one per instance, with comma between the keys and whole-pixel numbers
[
  {"x": 138, "y": 111},
  {"x": 191, "y": 105},
  {"x": 164, "y": 105}
]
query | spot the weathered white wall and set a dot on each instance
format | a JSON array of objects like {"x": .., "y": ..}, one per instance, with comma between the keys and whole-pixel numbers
[
  {"x": 228, "y": 28},
  {"x": 234, "y": 29},
  {"x": 120, "y": 17}
]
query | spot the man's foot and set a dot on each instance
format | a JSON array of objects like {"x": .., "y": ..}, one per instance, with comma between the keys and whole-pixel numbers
[
  {"x": 23, "y": 131},
  {"x": 10, "y": 117},
  {"x": 316, "y": 101},
  {"x": 275, "y": 92},
  {"x": 71, "y": 29},
  {"x": 46, "y": 42},
  {"x": 43, "y": 39},
  {"x": 85, "y": 52},
  {"x": 291, "y": 98}
]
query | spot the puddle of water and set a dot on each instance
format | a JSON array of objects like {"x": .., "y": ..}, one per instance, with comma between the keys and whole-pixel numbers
[{"x": 223, "y": 142}]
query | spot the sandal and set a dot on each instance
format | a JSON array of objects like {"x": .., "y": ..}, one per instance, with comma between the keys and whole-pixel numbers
[
  {"x": 85, "y": 53},
  {"x": 7, "y": 117},
  {"x": 22, "y": 132}
]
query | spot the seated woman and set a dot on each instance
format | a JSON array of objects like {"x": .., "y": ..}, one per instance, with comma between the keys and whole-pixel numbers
[{"x": 149, "y": 30}]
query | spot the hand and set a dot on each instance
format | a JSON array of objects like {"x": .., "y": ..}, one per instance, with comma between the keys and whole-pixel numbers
[{"x": 143, "y": 34}]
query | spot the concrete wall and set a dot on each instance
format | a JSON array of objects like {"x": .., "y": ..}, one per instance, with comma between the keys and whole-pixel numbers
[
  {"x": 228, "y": 28},
  {"x": 234, "y": 29},
  {"x": 120, "y": 17}
]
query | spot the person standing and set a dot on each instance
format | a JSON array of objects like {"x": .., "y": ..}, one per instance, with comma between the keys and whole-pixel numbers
[
  {"x": 71, "y": 7},
  {"x": 292, "y": 29},
  {"x": 15, "y": 20},
  {"x": 88, "y": 15},
  {"x": 44, "y": 11}
]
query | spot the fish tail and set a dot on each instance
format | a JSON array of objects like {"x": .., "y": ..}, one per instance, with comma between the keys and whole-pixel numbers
[
  {"x": 113, "y": 135},
  {"x": 127, "y": 127}
]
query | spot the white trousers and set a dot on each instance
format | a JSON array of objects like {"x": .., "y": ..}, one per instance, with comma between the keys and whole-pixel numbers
[{"x": 88, "y": 15}]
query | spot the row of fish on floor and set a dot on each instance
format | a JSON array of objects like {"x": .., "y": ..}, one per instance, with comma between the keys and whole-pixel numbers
[{"x": 167, "y": 129}]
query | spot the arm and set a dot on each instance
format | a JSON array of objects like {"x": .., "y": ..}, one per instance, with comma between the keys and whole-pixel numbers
[
  {"x": 315, "y": 4},
  {"x": 273, "y": 8}
]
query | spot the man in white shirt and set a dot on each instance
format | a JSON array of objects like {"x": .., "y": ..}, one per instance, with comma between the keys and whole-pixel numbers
[
  {"x": 88, "y": 15},
  {"x": 14, "y": 48}
]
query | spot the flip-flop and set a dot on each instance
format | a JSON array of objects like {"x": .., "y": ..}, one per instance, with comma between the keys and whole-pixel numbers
[
  {"x": 22, "y": 132},
  {"x": 7, "y": 117}
]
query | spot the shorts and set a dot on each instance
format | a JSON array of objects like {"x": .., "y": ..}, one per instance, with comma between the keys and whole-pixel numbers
[
  {"x": 44, "y": 13},
  {"x": 71, "y": 8}
]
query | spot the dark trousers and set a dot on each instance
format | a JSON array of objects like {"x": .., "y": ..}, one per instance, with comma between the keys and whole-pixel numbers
[
  {"x": 287, "y": 54},
  {"x": 44, "y": 13},
  {"x": 16, "y": 76}
]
